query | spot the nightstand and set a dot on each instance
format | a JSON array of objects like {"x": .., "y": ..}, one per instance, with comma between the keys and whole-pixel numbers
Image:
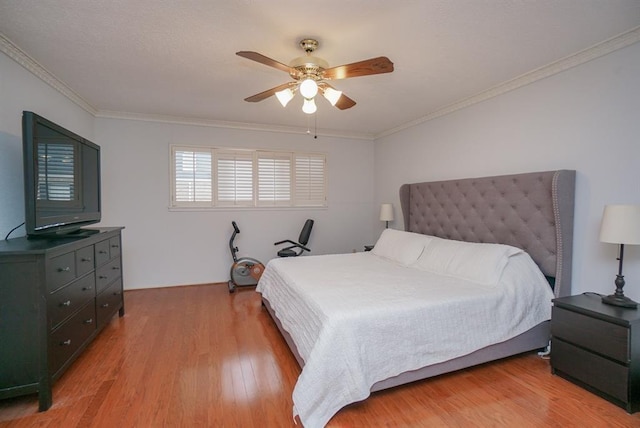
[{"x": 597, "y": 346}]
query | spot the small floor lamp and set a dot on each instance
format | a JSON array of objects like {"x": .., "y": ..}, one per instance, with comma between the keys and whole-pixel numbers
[
  {"x": 386, "y": 213},
  {"x": 620, "y": 225}
]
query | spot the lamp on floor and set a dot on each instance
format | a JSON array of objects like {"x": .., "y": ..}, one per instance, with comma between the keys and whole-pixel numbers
[
  {"x": 620, "y": 225},
  {"x": 386, "y": 213}
]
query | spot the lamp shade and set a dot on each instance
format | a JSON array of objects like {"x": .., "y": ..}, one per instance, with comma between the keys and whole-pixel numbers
[
  {"x": 332, "y": 95},
  {"x": 309, "y": 106},
  {"x": 386, "y": 212},
  {"x": 621, "y": 224},
  {"x": 284, "y": 96}
]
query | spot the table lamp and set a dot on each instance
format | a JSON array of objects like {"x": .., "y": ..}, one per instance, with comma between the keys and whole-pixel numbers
[
  {"x": 386, "y": 213},
  {"x": 620, "y": 225}
]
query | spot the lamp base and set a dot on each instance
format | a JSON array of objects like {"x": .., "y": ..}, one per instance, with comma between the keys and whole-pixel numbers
[{"x": 622, "y": 301}]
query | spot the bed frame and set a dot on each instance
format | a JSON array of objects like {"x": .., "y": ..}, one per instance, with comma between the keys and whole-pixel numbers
[{"x": 532, "y": 211}]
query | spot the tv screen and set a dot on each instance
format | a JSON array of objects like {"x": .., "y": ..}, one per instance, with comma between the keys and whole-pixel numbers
[{"x": 61, "y": 178}]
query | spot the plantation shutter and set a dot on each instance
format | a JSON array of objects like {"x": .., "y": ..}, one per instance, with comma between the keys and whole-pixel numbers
[
  {"x": 274, "y": 179},
  {"x": 209, "y": 177},
  {"x": 234, "y": 177},
  {"x": 310, "y": 180},
  {"x": 192, "y": 170}
]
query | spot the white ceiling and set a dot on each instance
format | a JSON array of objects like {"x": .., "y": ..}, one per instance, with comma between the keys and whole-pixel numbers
[{"x": 176, "y": 58}]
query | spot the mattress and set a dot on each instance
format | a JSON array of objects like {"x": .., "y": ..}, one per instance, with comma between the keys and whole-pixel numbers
[{"x": 357, "y": 319}]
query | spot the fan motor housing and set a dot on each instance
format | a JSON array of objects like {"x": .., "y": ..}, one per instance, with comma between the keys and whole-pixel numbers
[{"x": 310, "y": 66}]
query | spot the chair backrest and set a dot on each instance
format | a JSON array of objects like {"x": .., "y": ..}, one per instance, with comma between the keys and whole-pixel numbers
[{"x": 306, "y": 232}]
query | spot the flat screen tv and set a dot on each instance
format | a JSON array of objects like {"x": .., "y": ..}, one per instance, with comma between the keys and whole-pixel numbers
[{"x": 61, "y": 179}]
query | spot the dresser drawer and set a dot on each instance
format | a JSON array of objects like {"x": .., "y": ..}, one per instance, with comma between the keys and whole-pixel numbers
[
  {"x": 605, "y": 338},
  {"x": 61, "y": 270},
  {"x": 108, "y": 302},
  {"x": 69, "y": 299},
  {"x": 102, "y": 252},
  {"x": 107, "y": 274},
  {"x": 114, "y": 247},
  {"x": 598, "y": 372},
  {"x": 70, "y": 336},
  {"x": 84, "y": 260}
]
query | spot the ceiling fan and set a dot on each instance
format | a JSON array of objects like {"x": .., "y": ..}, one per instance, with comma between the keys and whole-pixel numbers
[{"x": 311, "y": 75}]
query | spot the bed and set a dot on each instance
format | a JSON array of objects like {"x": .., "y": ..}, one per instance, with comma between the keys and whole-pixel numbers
[{"x": 359, "y": 323}]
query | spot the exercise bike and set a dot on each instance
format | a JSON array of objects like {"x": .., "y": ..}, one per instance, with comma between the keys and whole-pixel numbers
[{"x": 245, "y": 271}]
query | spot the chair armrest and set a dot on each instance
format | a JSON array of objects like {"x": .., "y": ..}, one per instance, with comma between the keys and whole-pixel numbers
[
  {"x": 296, "y": 245},
  {"x": 286, "y": 240}
]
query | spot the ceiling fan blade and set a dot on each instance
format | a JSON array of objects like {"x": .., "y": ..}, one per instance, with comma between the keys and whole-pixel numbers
[
  {"x": 255, "y": 56},
  {"x": 269, "y": 92},
  {"x": 378, "y": 65},
  {"x": 344, "y": 102}
]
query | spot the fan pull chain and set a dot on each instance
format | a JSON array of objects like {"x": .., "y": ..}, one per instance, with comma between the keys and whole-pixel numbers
[{"x": 315, "y": 125}]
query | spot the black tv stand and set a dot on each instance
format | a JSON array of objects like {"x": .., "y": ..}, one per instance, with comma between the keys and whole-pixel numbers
[
  {"x": 65, "y": 234},
  {"x": 83, "y": 232}
]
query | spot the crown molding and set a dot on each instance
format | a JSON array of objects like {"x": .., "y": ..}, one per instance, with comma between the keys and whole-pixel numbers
[
  {"x": 608, "y": 46},
  {"x": 107, "y": 114},
  {"x": 18, "y": 55}
]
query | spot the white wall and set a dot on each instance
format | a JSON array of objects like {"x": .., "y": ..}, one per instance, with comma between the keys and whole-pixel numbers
[
  {"x": 20, "y": 90},
  {"x": 586, "y": 118},
  {"x": 163, "y": 247}
]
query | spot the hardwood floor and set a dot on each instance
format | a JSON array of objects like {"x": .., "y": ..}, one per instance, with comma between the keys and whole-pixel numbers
[{"x": 197, "y": 356}]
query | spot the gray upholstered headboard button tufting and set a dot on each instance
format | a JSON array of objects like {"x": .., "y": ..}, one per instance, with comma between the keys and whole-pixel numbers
[{"x": 532, "y": 211}]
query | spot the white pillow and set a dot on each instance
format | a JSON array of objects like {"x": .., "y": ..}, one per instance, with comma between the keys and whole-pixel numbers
[
  {"x": 475, "y": 262},
  {"x": 399, "y": 246}
]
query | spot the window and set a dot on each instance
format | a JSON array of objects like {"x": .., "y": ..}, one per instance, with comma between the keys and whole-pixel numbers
[
  {"x": 191, "y": 177},
  {"x": 216, "y": 177},
  {"x": 234, "y": 178},
  {"x": 274, "y": 179},
  {"x": 310, "y": 180}
]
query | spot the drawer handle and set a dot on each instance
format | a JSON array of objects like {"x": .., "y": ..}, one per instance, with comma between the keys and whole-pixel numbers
[
  {"x": 102, "y": 277},
  {"x": 87, "y": 288},
  {"x": 85, "y": 259},
  {"x": 115, "y": 246},
  {"x": 66, "y": 342},
  {"x": 102, "y": 252},
  {"x": 116, "y": 293},
  {"x": 115, "y": 268},
  {"x": 67, "y": 303},
  {"x": 105, "y": 305},
  {"x": 89, "y": 321},
  {"x": 64, "y": 269}
]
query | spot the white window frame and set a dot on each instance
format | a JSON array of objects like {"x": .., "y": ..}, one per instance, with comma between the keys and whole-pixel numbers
[{"x": 307, "y": 186}]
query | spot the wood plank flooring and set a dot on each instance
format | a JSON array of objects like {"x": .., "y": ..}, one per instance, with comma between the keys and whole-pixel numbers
[{"x": 198, "y": 356}]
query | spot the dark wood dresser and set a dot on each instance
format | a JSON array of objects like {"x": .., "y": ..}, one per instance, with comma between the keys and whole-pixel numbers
[
  {"x": 597, "y": 346},
  {"x": 55, "y": 297}
]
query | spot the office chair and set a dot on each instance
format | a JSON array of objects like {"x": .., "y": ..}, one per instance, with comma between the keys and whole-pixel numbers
[{"x": 301, "y": 244}]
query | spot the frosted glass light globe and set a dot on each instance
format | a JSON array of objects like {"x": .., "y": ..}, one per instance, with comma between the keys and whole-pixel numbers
[
  {"x": 308, "y": 88},
  {"x": 309, "y": 106}
]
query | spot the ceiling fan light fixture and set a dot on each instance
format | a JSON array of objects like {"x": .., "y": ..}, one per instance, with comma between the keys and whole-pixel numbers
[
  {"x": 284, "y": 96},
  {"x": 332, "y": 95},
  {"x": 308, "y": 88},
  {"x": 309, "y": 106}
]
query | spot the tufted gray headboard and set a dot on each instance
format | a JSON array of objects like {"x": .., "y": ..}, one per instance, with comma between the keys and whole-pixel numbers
[{"x": 532, "y": 211}]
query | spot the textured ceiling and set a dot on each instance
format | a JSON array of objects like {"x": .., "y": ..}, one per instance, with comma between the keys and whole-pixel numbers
[{"x": 171, "y": 58}]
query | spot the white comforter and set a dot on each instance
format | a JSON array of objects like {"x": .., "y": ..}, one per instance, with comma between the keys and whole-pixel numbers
[{"x": 358, "y": 319}]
